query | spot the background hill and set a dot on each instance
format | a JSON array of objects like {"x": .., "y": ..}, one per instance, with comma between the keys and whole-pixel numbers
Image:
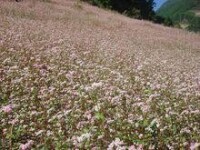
[
  {"x": 74, "y": 76},
  {"x": 184, "y": 13}
]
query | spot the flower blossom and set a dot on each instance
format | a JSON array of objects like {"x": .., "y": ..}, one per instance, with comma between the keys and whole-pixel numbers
[
  {"x": 7, "y": 109},
  {"x": 116, "y": 144},
  {"x": 14, "y": 121},
  {"x": 133, "y": 147},
  {"x": 97, "y": 85},
  {"x": 26, "y": 146},
  {"x": 194, "y": 146}
]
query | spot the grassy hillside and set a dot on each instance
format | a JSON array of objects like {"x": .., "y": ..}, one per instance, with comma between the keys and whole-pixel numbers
[
  {"x": 73, "y": 76},
  {"x": 182, "y": 12}
]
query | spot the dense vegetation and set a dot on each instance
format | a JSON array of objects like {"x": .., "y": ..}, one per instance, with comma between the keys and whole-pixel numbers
[
  {"x": 181, "y": 13},
  {"x": 139, "y": 9},
  {"x": 73, "y": 76}
]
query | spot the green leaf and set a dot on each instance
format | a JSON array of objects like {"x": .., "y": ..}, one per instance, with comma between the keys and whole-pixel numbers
[{"x": 99, "y": 116}]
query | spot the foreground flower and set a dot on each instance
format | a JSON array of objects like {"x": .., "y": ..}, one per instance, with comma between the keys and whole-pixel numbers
[
  {"x": 83, "y": 137},
  {"x": 7, "y": 109},
  {"x": 116, "y": 144},
  {"x": 14, "y": 121},
  {"x": 26, "y": 146},
  {"x": 194, "y": 146},
  {"x": 97, "y": 85},
  {"x": 133, "y": 147}
]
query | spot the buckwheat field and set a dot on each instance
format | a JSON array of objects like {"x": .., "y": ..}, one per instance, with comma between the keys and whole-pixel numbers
[{"x": 74, "y": 76}]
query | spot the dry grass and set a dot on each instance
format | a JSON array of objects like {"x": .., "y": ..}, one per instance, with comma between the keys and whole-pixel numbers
[{"x": 75, "y": 76}]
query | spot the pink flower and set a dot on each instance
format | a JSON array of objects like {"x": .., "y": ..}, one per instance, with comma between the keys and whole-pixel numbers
[
  {"x": 194, "y": 146},
  {"x": 116, "y": 144},
  {"x": 7, "y": 109},
  {"x": 14, "y": 121},
  {"x": 94, "y": 148},
  {"x": 27, "y": 145},
  {"x": 133, "y": 147}
]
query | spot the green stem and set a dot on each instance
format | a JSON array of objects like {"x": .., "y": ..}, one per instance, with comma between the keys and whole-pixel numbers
[{"x": 11, "y": 132}]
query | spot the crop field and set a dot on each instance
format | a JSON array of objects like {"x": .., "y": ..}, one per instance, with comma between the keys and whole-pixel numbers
[{"x": 73, "y": 76}]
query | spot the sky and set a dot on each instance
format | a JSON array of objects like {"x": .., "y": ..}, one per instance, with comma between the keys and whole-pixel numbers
[{"x": 159, "y": 3}]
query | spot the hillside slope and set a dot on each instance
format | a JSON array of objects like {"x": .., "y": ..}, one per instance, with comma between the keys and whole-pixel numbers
[
  {"x": 173, "y": 7},
  {"x": 183, "y": 12},
  {"x": 73, "y": 76}
]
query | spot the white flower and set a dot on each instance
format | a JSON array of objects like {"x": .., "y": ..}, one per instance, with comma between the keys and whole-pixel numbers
[
  {"x": 83, "y": 137},
  {"x": 116, "y": 144},
  {"x": 39, "y": 132},
  {"x": 153, "y": 122},
  {"x": 97, "y": 85},
  {"x": 97, "y": 107}
]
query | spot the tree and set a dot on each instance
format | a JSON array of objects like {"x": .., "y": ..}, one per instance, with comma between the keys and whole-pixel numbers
[{"x": 141, "y": 9}]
